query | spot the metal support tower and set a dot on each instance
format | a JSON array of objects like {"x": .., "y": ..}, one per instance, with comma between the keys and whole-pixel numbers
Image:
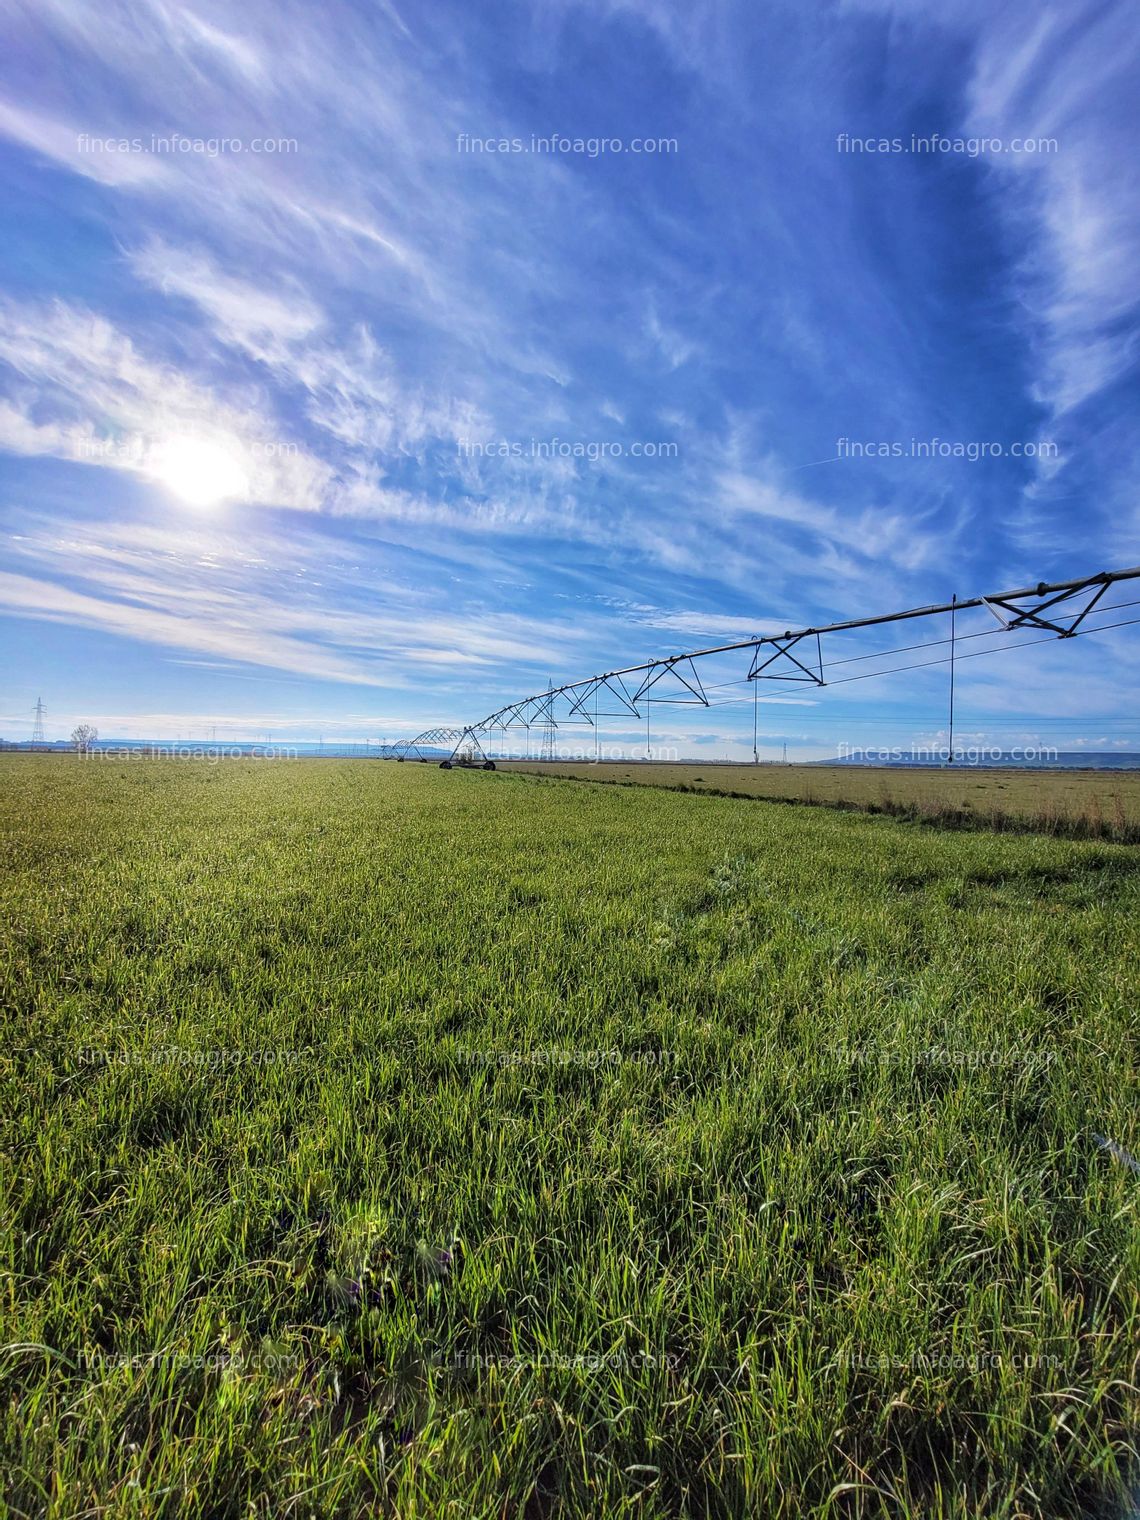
[{"x": 548, "y": 726}]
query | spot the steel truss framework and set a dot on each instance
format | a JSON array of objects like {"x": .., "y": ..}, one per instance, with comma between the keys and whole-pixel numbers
[
  {"x": 795, "y": 655},
  {"x": 434, "y": 741}
]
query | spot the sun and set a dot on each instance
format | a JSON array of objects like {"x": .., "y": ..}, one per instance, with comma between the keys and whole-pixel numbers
[{"x": 203, "y": 473}]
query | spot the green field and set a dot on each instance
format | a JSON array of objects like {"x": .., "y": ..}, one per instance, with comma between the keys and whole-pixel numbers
[
  {"x": 380, "y": 1140},
  {"x": 1090, "y": 803}
]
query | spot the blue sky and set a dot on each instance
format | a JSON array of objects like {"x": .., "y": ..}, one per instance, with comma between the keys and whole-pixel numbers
[{"x": 266, "y": 417}]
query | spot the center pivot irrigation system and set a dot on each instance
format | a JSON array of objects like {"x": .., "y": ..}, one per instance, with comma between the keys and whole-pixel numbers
[{"x": 1059, "y": 609}]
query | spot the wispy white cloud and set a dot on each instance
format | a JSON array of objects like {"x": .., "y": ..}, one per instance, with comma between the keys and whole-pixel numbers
[
  {"x": 1065, "y": 78},
  {"x": 63, "y": 144},
  {"x": 265, "y": 323},
  {"x": 115, "y": 408},
  {"x": 210, "y": 592}
]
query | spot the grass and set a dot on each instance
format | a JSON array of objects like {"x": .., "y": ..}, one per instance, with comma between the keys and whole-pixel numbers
[
  {"x": 1092, "y": 804},
  {"x": 386, "y": 1141}
]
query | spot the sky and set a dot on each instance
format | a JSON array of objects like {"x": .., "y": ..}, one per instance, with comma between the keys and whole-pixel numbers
[{"x": 364, "y": 366}]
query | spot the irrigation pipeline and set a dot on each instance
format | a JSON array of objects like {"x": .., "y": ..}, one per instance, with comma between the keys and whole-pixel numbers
[{"x": 1058, "y": 609}]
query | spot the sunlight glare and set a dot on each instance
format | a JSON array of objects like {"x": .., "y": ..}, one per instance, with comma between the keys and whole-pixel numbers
[{"x": 199, "y": 471}]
